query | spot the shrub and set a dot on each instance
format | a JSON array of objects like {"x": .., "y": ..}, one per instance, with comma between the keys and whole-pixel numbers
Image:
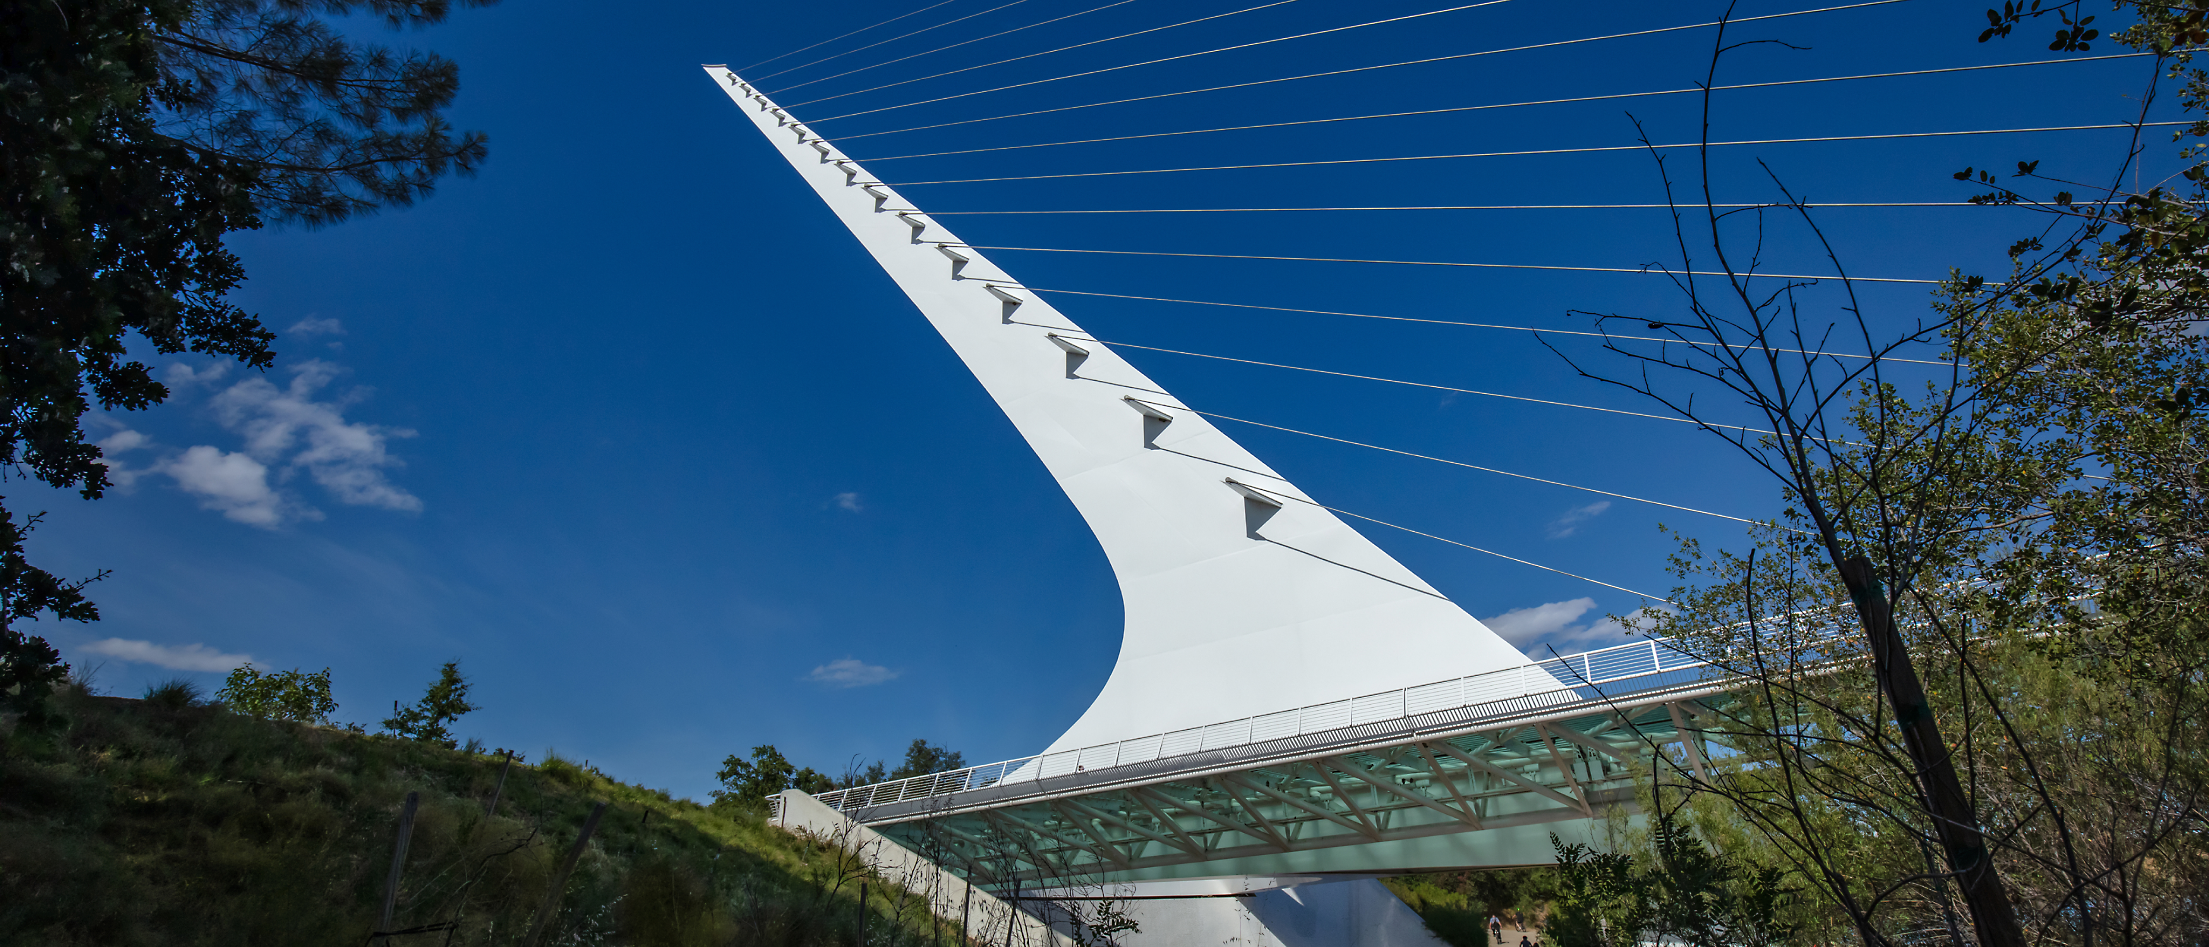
[
  {"x": 176, "y": 693},
  {"x": 443, "y": 703},
  {"x": 283, "y": 695}
]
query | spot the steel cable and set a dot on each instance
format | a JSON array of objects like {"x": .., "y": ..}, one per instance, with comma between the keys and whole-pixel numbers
[
  {"x": 1460, "y": 463},
  {"x": 1285, "y": 210},
  {"x": 852, "y": 33},
  {"x": 892, "y": 39},
  {"x": 1315, "y": 75},
  {"x": 1153, "y": 62},
  {"x": 1540, "y": 151},
  {"x": 1047, "y": 52},
  {"x": 1504, "y": 105},
  {"x": 1421, "y": 384},
  {"x": 1523, "y": 562},
  {"x": 1485, "y": 266},
  {"x": 1481, "y": 325},
  {"x": 849, "y": 72}
]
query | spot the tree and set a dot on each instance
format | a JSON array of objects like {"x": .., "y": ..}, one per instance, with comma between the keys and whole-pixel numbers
[
  {"x": 444, "y": 702},
  {"x": 29, "y": 667},
  {"x": 923, "y": 758},
  {"x": 1678, "y": 891},
  {"x": 134, "y": 137},
  {"x": 282, "y": 695},
  {"x": 750, "y": 782},
  {"x": 1971, "y": 648}
]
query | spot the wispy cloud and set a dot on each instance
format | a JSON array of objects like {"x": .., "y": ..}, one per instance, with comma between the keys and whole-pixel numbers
[
  {"x": 848, "y": 501},
  {"x": 235, "y": 484},
  {"x": 314, "y": 326},
  {"x": 850, "y": 672},
  {"x": 1537, "y": 628},
  {"x": 1569, "y": 523},
  {"x": 190, "y": 657},
  {"x": 287, "y": 431}
]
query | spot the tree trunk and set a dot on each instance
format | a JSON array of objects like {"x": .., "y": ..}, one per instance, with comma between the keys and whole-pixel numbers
[{"x": 1992, "y": 917}]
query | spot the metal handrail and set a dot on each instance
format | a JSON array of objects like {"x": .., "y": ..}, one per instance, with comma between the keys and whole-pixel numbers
[{"x": 1589, "y": 668}]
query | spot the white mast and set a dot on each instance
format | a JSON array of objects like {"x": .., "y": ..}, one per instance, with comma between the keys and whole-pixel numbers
[{"x": 1241, "y": 596}]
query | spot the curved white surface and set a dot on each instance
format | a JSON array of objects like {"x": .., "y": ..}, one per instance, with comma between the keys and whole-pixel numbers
[{"x": 1233, "y": 607}]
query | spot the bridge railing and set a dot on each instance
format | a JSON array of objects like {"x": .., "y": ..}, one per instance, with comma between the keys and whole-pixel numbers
[{"x": 1557, "y": 680}]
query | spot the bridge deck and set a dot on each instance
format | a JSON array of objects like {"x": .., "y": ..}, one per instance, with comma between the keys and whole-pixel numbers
[{"x": 1476, "y": 754}]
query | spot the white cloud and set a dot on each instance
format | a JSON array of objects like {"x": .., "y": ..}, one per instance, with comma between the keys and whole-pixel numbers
[
  {"x": 288, "y": 425},
  {"x": 233, "y": 483},
  {"x": 122, "y": 475},
  {"x": 1538, "y": 628},
  {"x": 180, "y": 375},
  {"x": 1569, "y": 523},
  {"x": 848, "y": 501},
  {"x": 314, "y": 326},
  {"x": 191, "y": 657},
  {"x": 850, "y": 672}
]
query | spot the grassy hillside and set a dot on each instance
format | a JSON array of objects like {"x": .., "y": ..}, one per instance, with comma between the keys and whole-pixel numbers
[{"x": 188, "y": 824}]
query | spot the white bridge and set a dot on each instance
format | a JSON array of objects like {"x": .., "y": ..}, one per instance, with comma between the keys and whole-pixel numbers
[{"x": 1261, "y": 718}]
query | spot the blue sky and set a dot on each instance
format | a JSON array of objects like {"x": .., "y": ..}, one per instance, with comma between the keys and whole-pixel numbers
[{"x": 634, "y": 430}]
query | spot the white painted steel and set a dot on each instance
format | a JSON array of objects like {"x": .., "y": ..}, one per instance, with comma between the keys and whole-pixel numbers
[
  {"x": 1232, "y": 607},
  {"x": 1627, "y": 670}
]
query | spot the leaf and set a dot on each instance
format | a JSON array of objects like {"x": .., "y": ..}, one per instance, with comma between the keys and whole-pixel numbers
[
  {"x": 2026, "y": 167},
  {"x": 1963, "y": 175}
]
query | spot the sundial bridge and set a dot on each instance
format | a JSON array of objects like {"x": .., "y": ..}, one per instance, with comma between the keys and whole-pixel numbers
[{"x": 1259, "y": 721}]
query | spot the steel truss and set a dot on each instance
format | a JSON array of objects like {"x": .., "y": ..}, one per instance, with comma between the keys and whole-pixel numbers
[{"x": 1543, "y": 768}]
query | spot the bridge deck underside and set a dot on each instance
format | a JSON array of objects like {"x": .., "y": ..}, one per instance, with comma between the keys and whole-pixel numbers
[{"x": 1291, "y": 811}]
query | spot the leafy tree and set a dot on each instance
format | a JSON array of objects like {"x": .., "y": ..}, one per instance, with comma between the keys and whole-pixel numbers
[
  {"x": 29, "y": 667},
  {"x": 134, "y": 137},
  {"x": 283, "y": 695},
  {"x": 750, "y": 782},
  {"x": 857, "y": 775},
  {"x": 1679, "y": 891},
  {"x": 444, "y": 702},
  {"x": 1973, "y": 645},
  {"x": 924, "y": 758},
  {"x": 332, "y": 127}
]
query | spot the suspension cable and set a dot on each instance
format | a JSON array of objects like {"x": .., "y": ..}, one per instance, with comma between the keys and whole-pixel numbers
[
  {"x": 1153, "y": 62},
  {"x": 1460, "y": 463},
  {"x": 1502, "y": 105},
  {"x": 956, "y": 45},
  {"x": 1316, "y": 75},
  {"x": 1537, "y": 565},
  {"x": 1542, "y": 151},
  {"x": 1485, "y": 266},
  {"x": 1275, "y": 210},
  {"x": 1486, "y": 325},
  {"x": 1047, "y": 52},
  {"x": 1418, "y": 384},
  {"x": 852, "y": 33},
  {"x": 893, "y": 39}
]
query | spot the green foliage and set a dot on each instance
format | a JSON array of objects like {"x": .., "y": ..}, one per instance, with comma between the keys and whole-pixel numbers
[
  {"x": 176, "y": 693},
  {"x": 135, "y": 136},
  {"x": 445, "y": 701},
  {"x": 924, "y": 758},
  {"x": 1456, "y": 905},
  {"x": 748, "y": 783},
  {"x": 202, "y": 828},
  {"x": 1682, "y": 892},
  {"x": 29, "y": 667},
  {"x": 284, "y": 695},
  {"x": 331, "y": 126}
]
